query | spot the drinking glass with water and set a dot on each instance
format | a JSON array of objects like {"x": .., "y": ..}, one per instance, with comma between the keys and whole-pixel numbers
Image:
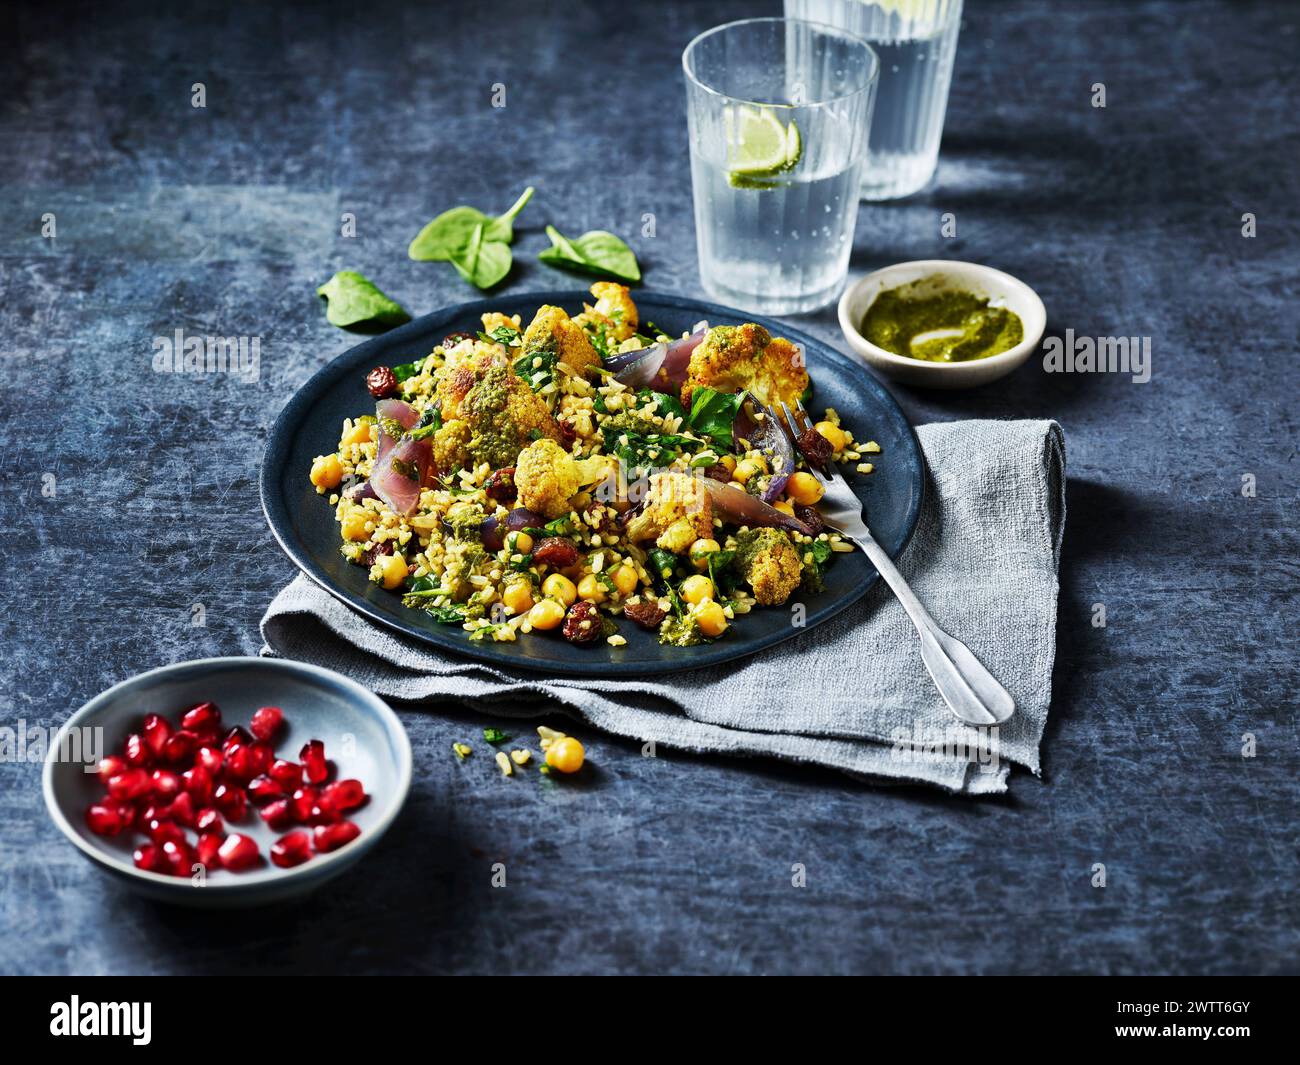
[
  {"x": 779, "y": 111},
  {"x": 916, "y": 41}
]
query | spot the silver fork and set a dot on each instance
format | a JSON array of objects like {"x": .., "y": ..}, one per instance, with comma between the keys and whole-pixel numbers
[{"x": 970, "y": 690}]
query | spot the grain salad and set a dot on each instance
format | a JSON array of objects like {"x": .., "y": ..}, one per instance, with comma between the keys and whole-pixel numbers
[{"x": 575, "y": 475}]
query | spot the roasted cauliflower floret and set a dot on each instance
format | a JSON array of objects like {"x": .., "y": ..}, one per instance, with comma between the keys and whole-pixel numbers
[
  {"x": 547, "y": 477},
  {"x": 489, "y": 415},
  {"x": 553, "y": 337},
  {"x": 495, "y": 320},
  {"x": 770, "y": 563},
  {"x": 735, "y": 358},
  {"x": 677, "y": 512},
  {"x": 614, "y": 312}
]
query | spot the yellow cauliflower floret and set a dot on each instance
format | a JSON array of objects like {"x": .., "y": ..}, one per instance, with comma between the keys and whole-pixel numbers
[
  {"x": 770, "y": 564},
  {"x": 489, "y": 414},
  {"x": 546, "y": 478},
  {"x": 553, "y": 334},
  {"x": 495, "y": 320},
  {"x": 735, "y": 358},
  {"x": 677, "y": 512},
  {"x": 614, "y": 311}
]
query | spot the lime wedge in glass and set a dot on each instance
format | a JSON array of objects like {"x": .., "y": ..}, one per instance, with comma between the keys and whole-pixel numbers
[{"x": 759, "y": 146}]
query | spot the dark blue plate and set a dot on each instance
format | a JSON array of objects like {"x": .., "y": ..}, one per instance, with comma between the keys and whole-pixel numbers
[{"x": 303, "y": 522}]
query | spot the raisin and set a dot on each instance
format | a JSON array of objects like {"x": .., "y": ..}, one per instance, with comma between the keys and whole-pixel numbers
[
  {"x": 381, "y": 381},
  {"x": 375, "y": 552},
  {"x": 452, "y": 339},
  {"x": 645, "y": 612},
  {"x": 815, "y": 447},
  {"x": 718, "y": 472},
  {"x": 556, "y": 552},
  {"x": 568, "y": 434},
  {"x": 809, "y": 516},
  {"x": 501, "y": 485},
  {"x": 582, "y": 623}
]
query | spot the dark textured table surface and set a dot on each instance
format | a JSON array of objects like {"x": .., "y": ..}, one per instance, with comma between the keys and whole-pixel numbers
[{"x": 222, "y": 220}]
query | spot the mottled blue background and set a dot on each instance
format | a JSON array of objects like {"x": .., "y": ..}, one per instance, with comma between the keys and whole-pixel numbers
[{"x": 224, "y": 220}]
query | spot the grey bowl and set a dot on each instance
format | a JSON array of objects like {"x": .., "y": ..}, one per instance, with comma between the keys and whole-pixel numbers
[{"x": 317, "y": 704}]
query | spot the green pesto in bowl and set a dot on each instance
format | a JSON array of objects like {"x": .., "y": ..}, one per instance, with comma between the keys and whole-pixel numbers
[{"x": 921, "y": 321}]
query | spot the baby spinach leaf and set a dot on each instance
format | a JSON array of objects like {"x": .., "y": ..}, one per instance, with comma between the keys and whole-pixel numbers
[
  {"x": 353, "y": 299},
  {"x": 596, "y": 252},
  {"x": 452, "y": 231},
  {"x": 666, "y": 404},
  {"x": 407, "y": 369},
  {"x": 482, "y": 262},
  {"x": 713, "y": 414}
]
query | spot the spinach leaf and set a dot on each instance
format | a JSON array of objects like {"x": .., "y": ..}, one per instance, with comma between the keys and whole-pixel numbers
[
  {"x": 482, "y": 262},
  {"x": 663, "y": 564},
  {"x": 666, "y": 404},
  {"x": 596, "y": 252},
  {"x": 452, "y": 231},
  {"x": 407, "y": 369},
  {"x": 354, "y": 300},
  {"x": 713, "y": 414},
  {"x": 811, "y": 580}
]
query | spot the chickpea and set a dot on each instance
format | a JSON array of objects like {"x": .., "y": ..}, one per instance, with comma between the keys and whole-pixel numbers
[
  {"x": 558, "y": 586},
  {"x": 710, "y": 617},
  {"x": 784, "y": 507},
  {"x": 745, "y": 469},
  {"x": 729, "y": 461},
  {"x": 591, "y": 588},
  {"x": 700, "y": 552},
  {"x": 833, "y": 434},
  {"x": 521, "y": 543},
  {"x": 327, "y": 472},
  {"x": 393, "y": 571},
  {"x": 518, "y": 597},
  {"x": 803, "y": 488},
  {"x": 566, "y": 755},
  {"x": 546, "y": 615},
  {"x": 697, "y": 589},
  {"x": 625, "y": 579},
  {"x": 354, "y": 525}
]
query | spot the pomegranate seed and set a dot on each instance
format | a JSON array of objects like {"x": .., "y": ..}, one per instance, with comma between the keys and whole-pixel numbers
[
  {"x": 266, "y": 722},
  {"x": 262, "y": 790},
  {"x": 156, "y": 731},
  {"x": 239, "y": 764},
  {"x": 137, "y": 752},
  {"x": 104, "y": 820},
  {"x": 165, "y": 783},
  {"x": 129, "y": 784},
  {"x": 304, "y": 802},
  {"x": 125, "y": 810},
  {"x": 231, "y": 801},
  {"x": 177, "y": 858},
  {"x": 237, "y": 735},
  {"x": 287, "y": 774},
  {"x": 291, "y": 850},
  {"x": 238, "y": 852},
  {"x": 344, "y": 795},
  {"x": 182, "y": 810},
  {"x": 180, "y": 747},
  {"x": 203, "y": 719},
  {"x": 147, "y": 812},
  {"x": 209, "y": 821},
  {"x": 206, "y": 851},
  {"x": 278, "y": 815},
  {"x": 261, "y": 755},
  {"x": 332, "y": 837},
  {"x": 210, "y": 758},
  {"x": 146, "y": 857},
  {"x": 110, "y": 766},
  {"x": 161, "y": 831},
  {"x": 313, "y": 761},
  {"x": 198, "y": 783}
]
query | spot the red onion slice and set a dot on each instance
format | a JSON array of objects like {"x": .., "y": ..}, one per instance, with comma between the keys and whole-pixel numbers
[{"x": 741, "y": 508}]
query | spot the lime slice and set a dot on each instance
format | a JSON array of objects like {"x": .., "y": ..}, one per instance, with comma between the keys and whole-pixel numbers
[{"x": 759, "y": 145}]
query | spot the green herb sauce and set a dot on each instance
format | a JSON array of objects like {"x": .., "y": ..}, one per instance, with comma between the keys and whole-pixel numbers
[{"x": 942, "y": 326}]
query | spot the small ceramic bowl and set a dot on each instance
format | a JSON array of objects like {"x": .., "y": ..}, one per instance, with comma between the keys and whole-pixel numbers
[
  {"x": 999, "y": 288},
  {"x": 362, "y": 736}
]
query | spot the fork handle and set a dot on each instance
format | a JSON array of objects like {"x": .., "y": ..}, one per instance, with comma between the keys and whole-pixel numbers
[{"x": 970, "y": 690}]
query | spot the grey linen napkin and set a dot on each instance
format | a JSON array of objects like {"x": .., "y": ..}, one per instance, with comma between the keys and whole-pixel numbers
[{"x": 851, "y": 694}]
